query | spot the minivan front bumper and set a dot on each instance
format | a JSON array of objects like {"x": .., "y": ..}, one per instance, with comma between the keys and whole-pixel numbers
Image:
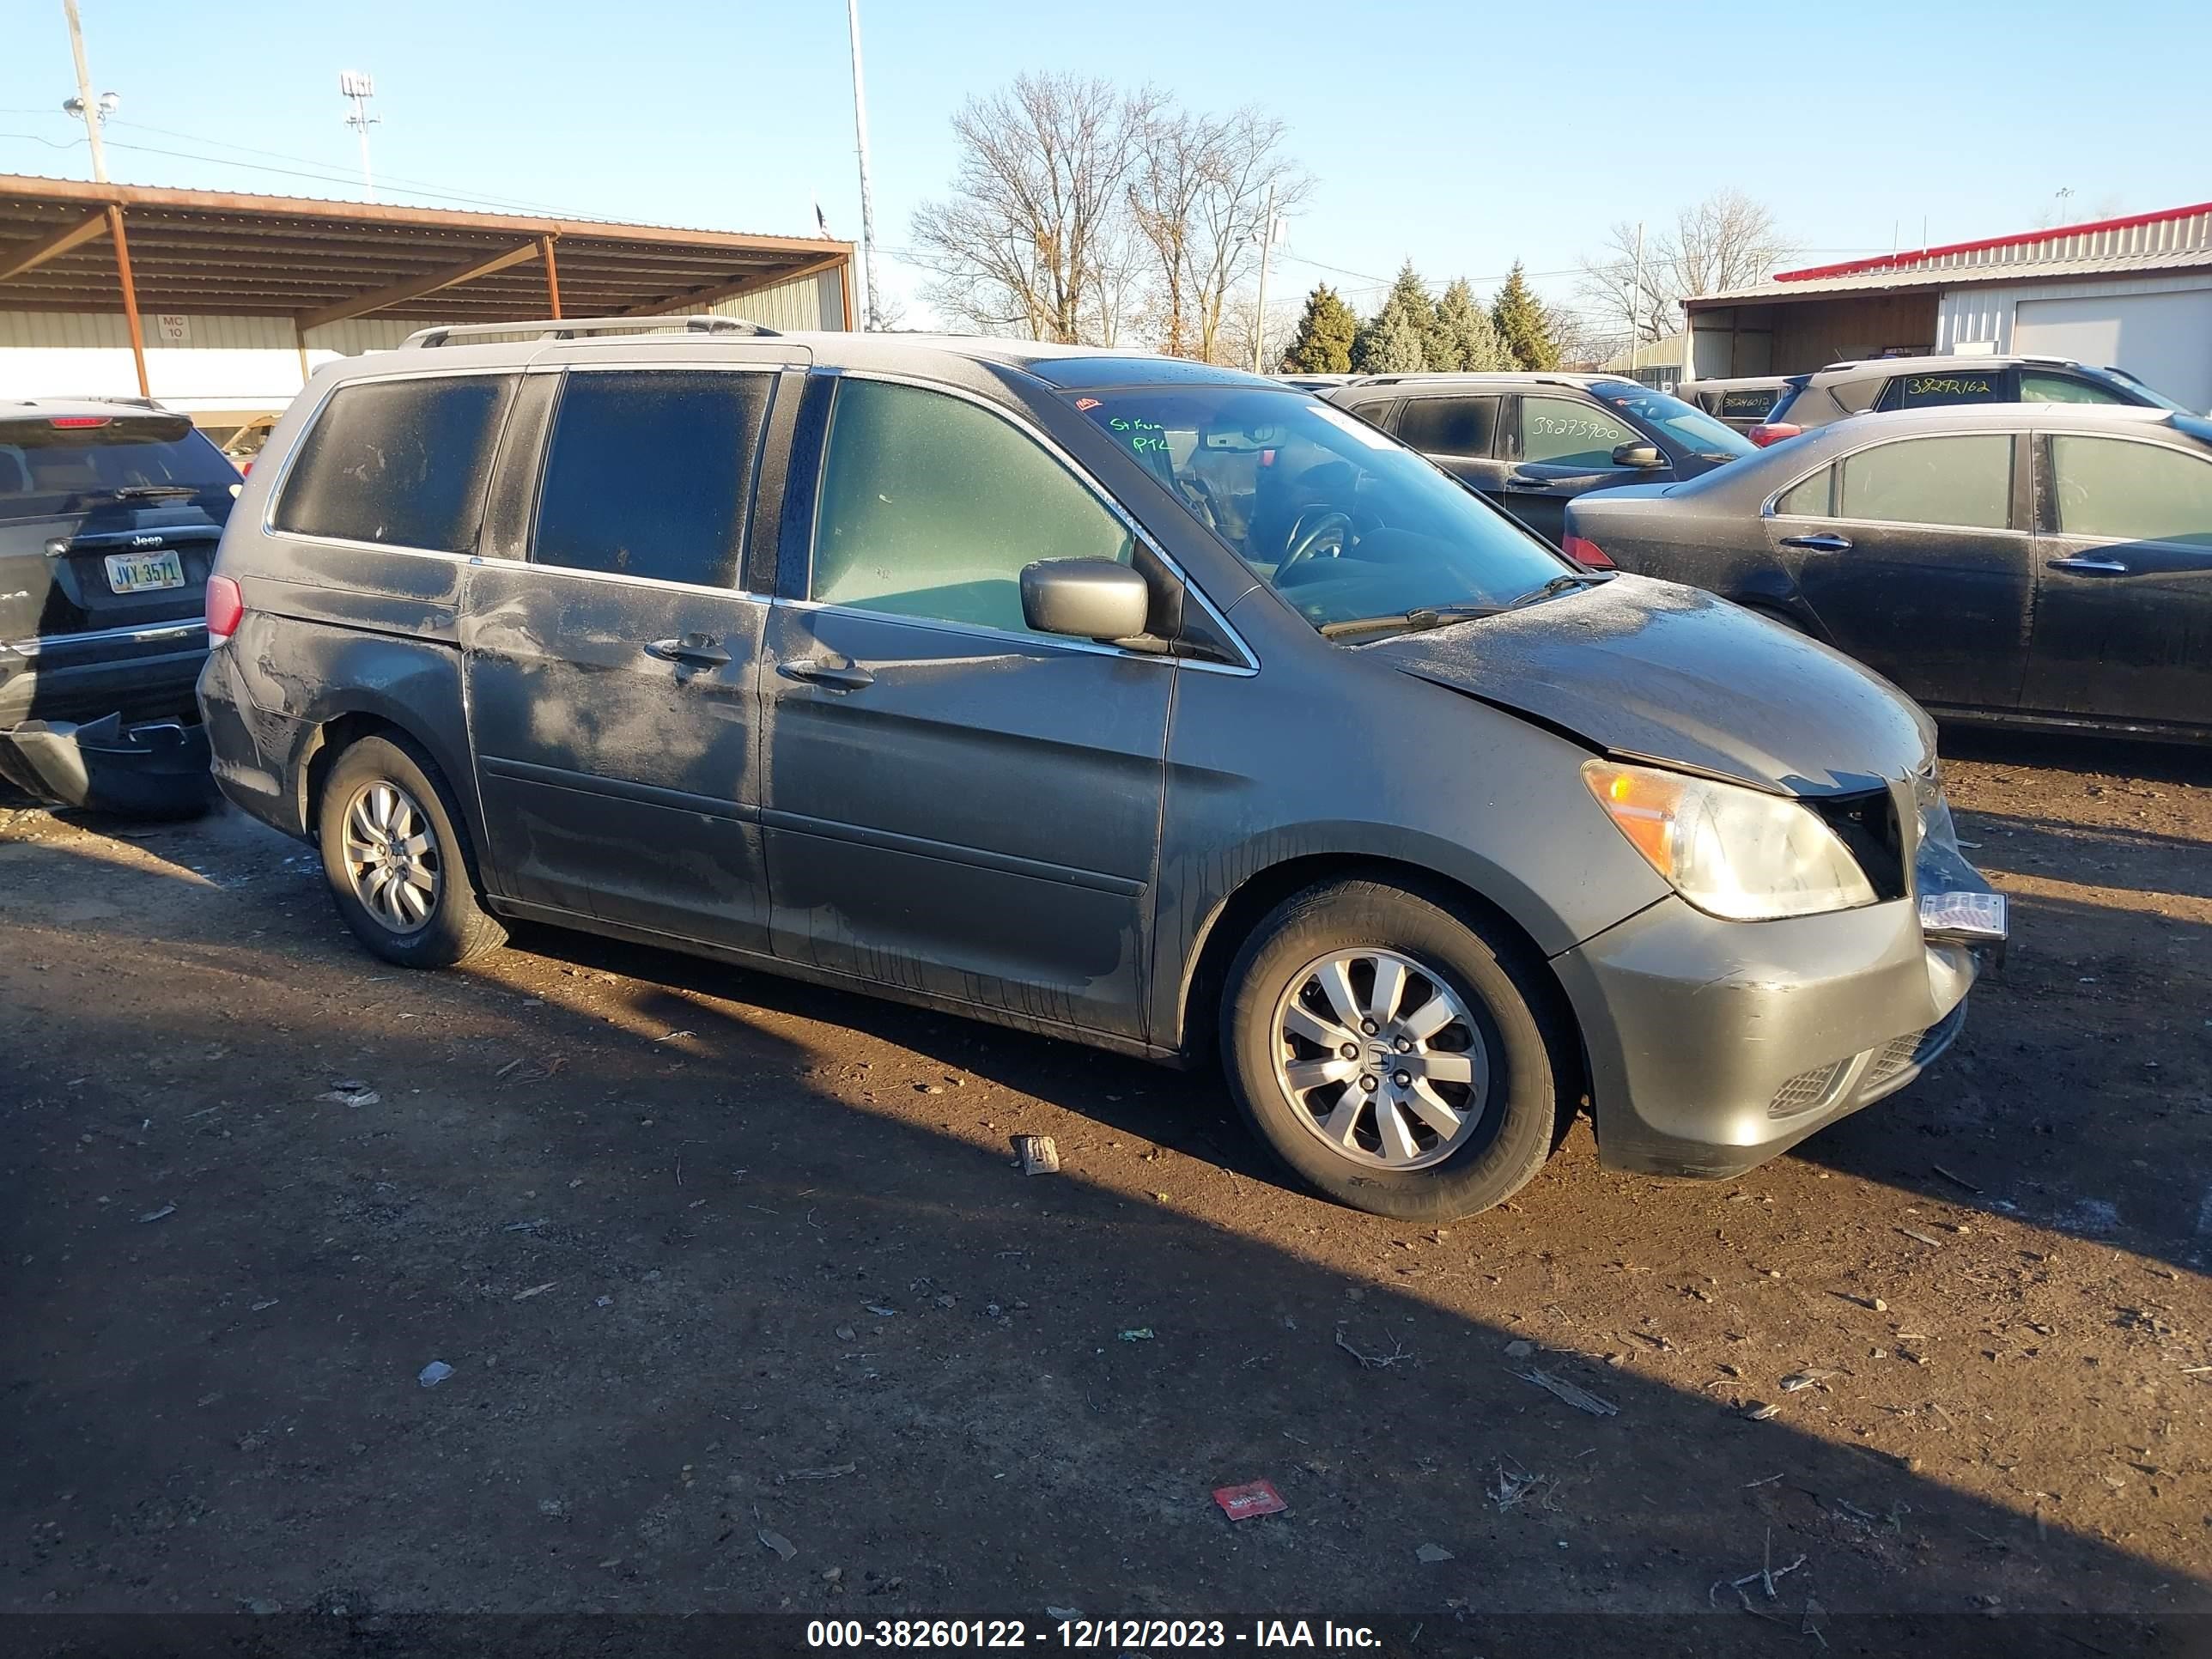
[{"x": 1715, "y": 1045}]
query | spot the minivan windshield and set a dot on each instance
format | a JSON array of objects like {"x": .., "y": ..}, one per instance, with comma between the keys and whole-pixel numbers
[
  {"x": 1686, "y": 424},
  {"x": 1342, "y": 520}
]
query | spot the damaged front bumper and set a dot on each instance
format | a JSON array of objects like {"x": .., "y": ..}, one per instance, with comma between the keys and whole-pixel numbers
[
  {"x": 1715, "y": 1045},
  {"x": 148, "y": 768}
]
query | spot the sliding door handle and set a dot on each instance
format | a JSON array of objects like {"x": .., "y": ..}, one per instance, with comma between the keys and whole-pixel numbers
[
  {"x": 831, "y": 675},
  {"x": 2089, "y": 567},
  {"x": 692, "y": 651}
]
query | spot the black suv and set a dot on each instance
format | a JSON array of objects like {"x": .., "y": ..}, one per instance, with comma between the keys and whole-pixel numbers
[
  {"x": 1533, "y": 442},
  {"x": 109, "y": 516},
  {"x": 1769, "y": 407}
]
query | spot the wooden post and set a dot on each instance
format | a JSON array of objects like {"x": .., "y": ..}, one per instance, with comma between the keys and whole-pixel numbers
[
  {"x": 130, "y": 297},
  {"x": 552, "y": 275},
  {"x": 845, "y": 288},
  {"x": 299, "y": 339}
]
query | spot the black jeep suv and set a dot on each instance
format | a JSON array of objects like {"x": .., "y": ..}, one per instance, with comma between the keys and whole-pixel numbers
[{"x": 110, "y": 513}]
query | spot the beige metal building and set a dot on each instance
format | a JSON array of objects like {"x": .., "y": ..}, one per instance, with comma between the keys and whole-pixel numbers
[
  {"x": 2135, "y": 292},
  {"x": 222, "y": 304}
]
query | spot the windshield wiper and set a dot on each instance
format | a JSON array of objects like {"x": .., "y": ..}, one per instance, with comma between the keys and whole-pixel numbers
[
  {"x": 1408, "y": 621},
  {"x": 152, "y": 492},
  {"x": 1559, "y": 585}
]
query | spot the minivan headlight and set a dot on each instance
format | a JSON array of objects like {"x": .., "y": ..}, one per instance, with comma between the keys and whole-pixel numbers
[{"x": 1732, "y": 852}]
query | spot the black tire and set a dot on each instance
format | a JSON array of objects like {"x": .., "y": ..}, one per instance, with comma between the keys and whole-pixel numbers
[
  {"x": 456, "y": 927},
  {"x": 1525, "y": 1107}
]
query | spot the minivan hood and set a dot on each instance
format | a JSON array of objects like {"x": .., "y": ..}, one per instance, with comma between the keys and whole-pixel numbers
[{"x": 1652, "y": 671}]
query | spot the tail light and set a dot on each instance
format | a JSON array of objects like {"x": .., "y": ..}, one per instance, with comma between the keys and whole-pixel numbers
[
  {"x": 226, "y": 609},
  {"x": 1585, "y": 552},
  {"x": 1772, "y": 432},
  {"x": 79, "y": 422}
]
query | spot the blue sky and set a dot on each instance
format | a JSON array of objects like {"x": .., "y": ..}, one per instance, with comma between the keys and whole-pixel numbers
[{"x": 1464, "y": 136}]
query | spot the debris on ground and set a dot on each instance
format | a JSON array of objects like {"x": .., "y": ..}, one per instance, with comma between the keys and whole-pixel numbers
[
  {"x": 1956, "y": 1181},
  {"x": 1871, "y": 1303},
  {"x": 776, "y": 1541},
  {"x": 1373, "y": 1362},
  {"x": 831, "y": 1471},
  {"x": 1036, "y": 1155},
  {"x": 1513, "y": 1484},
  {"x": 1581, "y": 1398},
  {"x": 1062, "y": 1616},
  {"x": 1928, "y": 1239},
  {"x": 535, "y": 1289},
  {"x": 1764, "y": 1576},
  {"x": 1253, "y": 1497},
  {"x": 1432, "y": 1553},
  {"x": 1760, "y": 1412},
  {"x": 350, "y": 1091},
  {"x": 879, "y": 1310},
  {"x": 161, "y": 1214},
  {"x": 1800, "y": 1379},
  {"x": 1518, "y": 1350},
  {"x": 433, "y": 1373},
  {"x": 1141, "y": 1333}
]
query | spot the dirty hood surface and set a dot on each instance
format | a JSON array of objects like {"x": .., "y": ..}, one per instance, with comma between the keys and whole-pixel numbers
[{"x": 1653, "y": 671}]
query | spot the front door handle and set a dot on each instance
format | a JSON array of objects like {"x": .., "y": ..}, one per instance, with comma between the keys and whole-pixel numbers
[
  {"x": 1521, "y": 484},
  {"x": 2090, "y": 566},
  {"x": 1824, "y": 542},
  {"x": 692, "y": 651},
  {"x": 833, "y": 676}
]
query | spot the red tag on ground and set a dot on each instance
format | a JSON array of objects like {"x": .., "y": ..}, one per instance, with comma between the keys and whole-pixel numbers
[{"x": 1255, "y": 1497}]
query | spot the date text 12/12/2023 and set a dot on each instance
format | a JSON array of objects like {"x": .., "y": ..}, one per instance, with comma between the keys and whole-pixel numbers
[{"x": 1080, "y": 1634}]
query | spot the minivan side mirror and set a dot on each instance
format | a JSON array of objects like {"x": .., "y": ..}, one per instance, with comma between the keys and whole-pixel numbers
[
  {"x": 1638, "y": 455},
  {"x": 1085, "y": 599}
]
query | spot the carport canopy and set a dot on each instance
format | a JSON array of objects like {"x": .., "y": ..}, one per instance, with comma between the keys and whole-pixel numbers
[{"x": 70, "y": 245}]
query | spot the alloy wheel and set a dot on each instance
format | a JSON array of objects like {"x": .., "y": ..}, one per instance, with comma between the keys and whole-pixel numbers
[
  {"x": 1382, "y": 1058},
  {"x": 392, "y": 856}
]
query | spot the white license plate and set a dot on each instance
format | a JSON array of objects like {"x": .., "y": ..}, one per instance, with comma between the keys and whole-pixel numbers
[
  {"x": 1964, "y": 916},
  {"x": 141, "y": 573}
]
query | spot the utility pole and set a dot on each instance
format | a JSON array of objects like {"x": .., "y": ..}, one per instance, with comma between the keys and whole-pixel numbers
[
  {"x": 92, "y": 111},
  {"x": 1636, "y": 303},
  {"x": 1260, "y": 321},
  {"x": 868, "y": 319},
  {"x": 361, "y": 87}
]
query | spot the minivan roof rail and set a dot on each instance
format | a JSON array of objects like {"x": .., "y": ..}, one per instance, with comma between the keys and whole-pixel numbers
[{"x": 572, "y": 328}]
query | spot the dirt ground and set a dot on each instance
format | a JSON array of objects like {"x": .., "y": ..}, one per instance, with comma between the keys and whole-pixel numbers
[{"x": 746, "y": 1309}]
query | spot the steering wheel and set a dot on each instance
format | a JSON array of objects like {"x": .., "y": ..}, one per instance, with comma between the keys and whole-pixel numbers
[{"x": 1321, "y": 535}]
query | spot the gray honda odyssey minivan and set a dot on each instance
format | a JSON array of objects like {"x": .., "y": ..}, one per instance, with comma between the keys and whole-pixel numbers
[{"x": 1139, "y": 703}]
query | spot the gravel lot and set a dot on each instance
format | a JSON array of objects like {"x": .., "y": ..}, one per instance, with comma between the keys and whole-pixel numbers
[{"x": 717, "y": 1259}]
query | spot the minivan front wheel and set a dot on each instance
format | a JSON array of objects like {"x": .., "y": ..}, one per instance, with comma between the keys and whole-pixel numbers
[
  {"x": 1391, "y": 1054},
  {"x": 395, "y": 861}
]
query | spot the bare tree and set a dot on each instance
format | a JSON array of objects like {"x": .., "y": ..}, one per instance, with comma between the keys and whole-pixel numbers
[
  {"x": 1246, "y": 170},
  {"x": 1027, "y": 240},
  {"x": 1162, "y": 199},
  {"x": 1727, "y": 240}
]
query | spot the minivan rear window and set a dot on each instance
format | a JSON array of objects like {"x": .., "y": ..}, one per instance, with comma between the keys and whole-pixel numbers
[
  {"x": 648, "y": 473},
  {"x": 401, "y": 463}
]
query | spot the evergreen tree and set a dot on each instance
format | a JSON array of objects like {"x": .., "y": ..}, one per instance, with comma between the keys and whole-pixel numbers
[
  {"x": 1395, "y": 341},
  {"x": 1521, "y": 326},
  {"x": 1464, "y": 337},
  {"x": 1322, "y": 345},
  {"x": 1393, "y": 345}
]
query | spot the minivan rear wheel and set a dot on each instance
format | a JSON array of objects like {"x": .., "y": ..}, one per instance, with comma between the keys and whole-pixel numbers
[
  {"x": 1398, "y": 1056},
  {"x": 397, "y": 863}
]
